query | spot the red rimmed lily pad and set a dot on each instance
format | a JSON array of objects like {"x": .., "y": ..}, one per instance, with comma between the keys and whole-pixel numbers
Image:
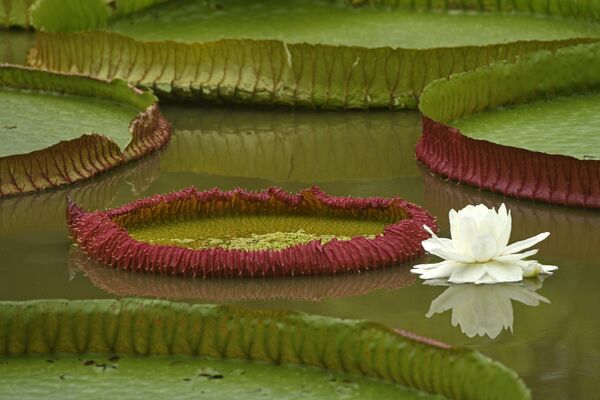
[
  {"x": 527, "y": 129},
  {"x": 240, "y": 233},
  {"x": 59, "y": 129}
]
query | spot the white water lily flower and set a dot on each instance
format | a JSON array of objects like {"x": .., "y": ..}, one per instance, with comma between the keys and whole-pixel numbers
[
  {"x": 479, "y": 251},
  {"x": 484, "y": 309}
]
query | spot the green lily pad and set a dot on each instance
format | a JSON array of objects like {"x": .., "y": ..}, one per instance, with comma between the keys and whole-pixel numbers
[
  {"x": 568, "y": 125},
  {"x": 15, "y": 13},
  {"x": 50, "y": 126},
  {"x": 135, "y": 346},
  {"x": 25, "y": 113},
  {"x": 528, "y": 129},
  {"x": 322, "y": 53},
  {"x": 291, "y": 146}
]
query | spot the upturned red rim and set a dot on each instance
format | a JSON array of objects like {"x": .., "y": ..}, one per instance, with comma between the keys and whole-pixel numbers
[{"x": 103, "y": 237}]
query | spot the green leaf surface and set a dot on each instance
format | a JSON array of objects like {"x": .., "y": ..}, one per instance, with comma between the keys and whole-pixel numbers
[
  {"x": 560, "y": 125},
  {"x": 319, "y": 54},
  {"x": 177, "y": 377},
  {"x": 158, "y": 328},
  {"x": 32, "y": 121},
  {"x": 545, "y": 102},
  {"x": 15, "y": 13},
  {"x": 335, "y": 23},
  {"x": 52, "y": 127}
]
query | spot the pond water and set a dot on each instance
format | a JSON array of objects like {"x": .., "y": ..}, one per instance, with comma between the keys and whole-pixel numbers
[{"x": 554, "y": 346}]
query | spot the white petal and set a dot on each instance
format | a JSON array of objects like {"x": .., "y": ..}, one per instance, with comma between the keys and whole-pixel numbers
[
  {"x": 524, "y": 244},
  {"x": 504, "y": 272},
  {"x": 440, "y": 250},
  {"x": 467, "y": 273},
  {"x": 441, "y": 270},
  {"x": 484, "y": 248},
  {"x": 515, "y": 257}
]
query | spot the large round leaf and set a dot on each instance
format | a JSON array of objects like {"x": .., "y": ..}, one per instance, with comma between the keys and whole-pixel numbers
[
  {"x": 140, "y": 346},
  {"x": 58, "y": 129},
  {"x": 321, "y": 53},
  {"x": 527, "y": 129}
]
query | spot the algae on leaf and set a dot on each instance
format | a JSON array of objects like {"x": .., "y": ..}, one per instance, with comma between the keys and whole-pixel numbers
[
  {"x": 52, "y": 127},
  {"x": 161, "y": 334},
  {"x": 530, "y": 128},
  {"x": 319, "y": 54}
]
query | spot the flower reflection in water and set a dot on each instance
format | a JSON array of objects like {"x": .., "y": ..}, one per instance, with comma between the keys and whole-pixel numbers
[{"x": 484, "y": 309}]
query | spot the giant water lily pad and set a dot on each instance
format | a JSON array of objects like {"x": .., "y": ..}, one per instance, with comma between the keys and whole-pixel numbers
[
  {"x": 292, "y": 146},
  {"x": 133, "y": 347},
  {"x": 322, "y": 53},
  {"x": 240, "y": 233},
  {"x": 528, "y": 129},
  {"x": 58, "y": 129}
]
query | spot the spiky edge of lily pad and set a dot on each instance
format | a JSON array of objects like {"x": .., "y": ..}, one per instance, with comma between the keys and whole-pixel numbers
[
  {"x": 102, "y": 234},
  {"x": 509, "y": 170},
  {"x": 154, "y": 327},
  {"x": 220, "y": 290},
  {"x": 74, "y": 160},
  {"x": 270, "y": 71}
]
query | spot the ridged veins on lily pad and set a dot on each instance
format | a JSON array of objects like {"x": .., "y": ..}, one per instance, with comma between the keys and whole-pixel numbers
[{"x": 478, "y": 251}]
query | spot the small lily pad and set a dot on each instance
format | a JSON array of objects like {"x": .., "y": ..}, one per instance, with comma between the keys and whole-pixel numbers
[
  {"x": 53, "y": 128},
  {"x": 322, "y": 53},
  {"x": 528, "y": 129},
  {"x": 240, "y": 233},
  {"x": 136, "y": 347}
]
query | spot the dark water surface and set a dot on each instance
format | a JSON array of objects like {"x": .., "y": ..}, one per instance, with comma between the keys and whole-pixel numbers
[{"x": 555, "y": 347}]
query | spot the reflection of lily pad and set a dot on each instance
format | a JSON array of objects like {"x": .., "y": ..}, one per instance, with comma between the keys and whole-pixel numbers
[
  {"x": 14, "y": 46},
  {"x": 320, "y": 53},
  {"x": 152, "y": 341},
  {"x": 220, "y": 290},
  {"x": 528, "y": 129},
  {"x": 268, "y": 233},
  {"x": 286, "y": 146},
  {"x": 49, "y": 124},
  {"x": 46, "y": 210}
]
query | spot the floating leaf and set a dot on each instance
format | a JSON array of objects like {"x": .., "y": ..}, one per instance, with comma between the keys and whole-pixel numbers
[
  {"x": 49, "y": 124},
  {"x": 345, "y": 234},
  {"x": 527, "y": 129},
  {"x": 320, "y": 54},
  {"x": 79, "y": 338}
]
